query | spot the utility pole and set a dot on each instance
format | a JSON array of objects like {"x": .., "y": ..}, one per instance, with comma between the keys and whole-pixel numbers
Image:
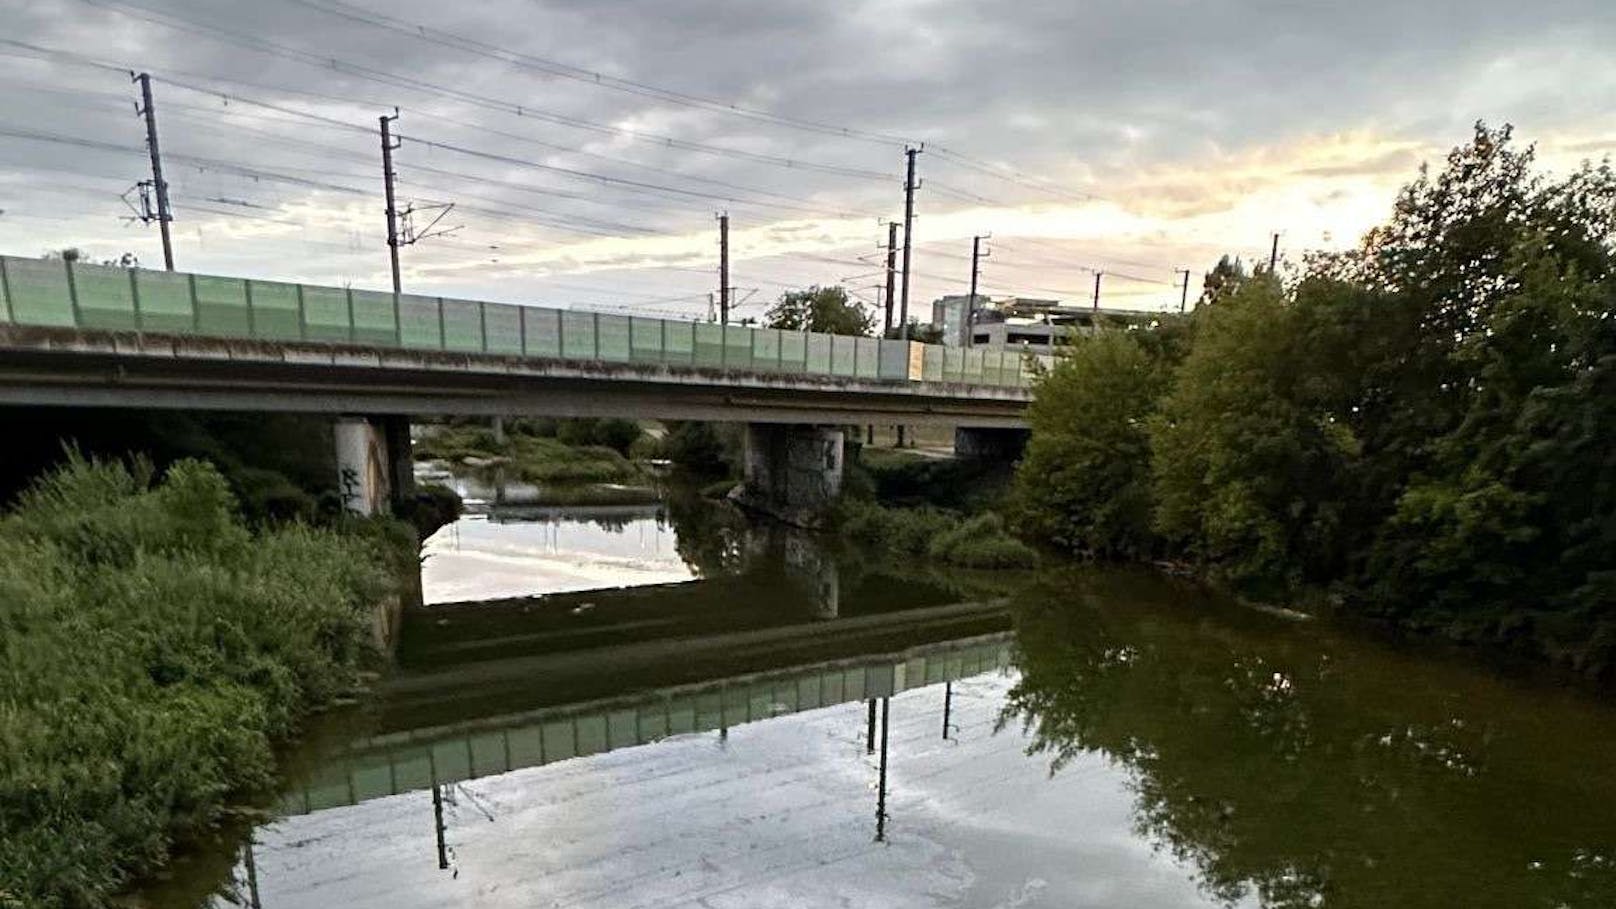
[
  {"x": 159, "y": 185},
  {"x": 387, "y": 184},
  {"x": 892, "y": 273},
  {"x": 970, "y": 306},
  {"x": 909, "y": 187},
  {"x": 1273, "y": 254},
  {"x": 723, "y": 269},
  {"x": 1184, "y": 295},
  {"x": 1097, "y": 276}
]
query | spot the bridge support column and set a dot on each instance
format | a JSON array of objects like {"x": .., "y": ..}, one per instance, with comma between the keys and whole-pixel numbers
[
  {"x": 400, "y": 457},
  {"x": 793, "y": 473},
  {"x": 976, "y": 444},
  {"x": 364, "y": 478}
]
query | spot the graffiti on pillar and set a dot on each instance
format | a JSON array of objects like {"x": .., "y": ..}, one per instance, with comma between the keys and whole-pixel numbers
[
  {"x": 353, "y": 493},
  {"x": 362, "y": 478}
]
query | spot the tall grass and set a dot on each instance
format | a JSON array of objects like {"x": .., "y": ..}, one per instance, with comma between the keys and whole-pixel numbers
[{"x": 151, "y": 650}]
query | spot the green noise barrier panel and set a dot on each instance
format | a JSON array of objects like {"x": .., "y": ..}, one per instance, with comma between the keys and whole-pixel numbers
[{"x": 55, "y": 293}]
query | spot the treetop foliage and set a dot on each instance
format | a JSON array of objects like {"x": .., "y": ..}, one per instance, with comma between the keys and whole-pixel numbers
[
  {"x": 1413, "y": 426},
  {"x": 821, "y": 309}
]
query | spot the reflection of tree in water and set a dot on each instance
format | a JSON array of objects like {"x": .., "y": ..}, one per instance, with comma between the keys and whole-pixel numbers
[
  {"x": 711, "y": 535},
  {"x": 1309, "y": 771}
]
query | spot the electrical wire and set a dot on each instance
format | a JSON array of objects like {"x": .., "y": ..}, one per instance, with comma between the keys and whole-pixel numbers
[
  {"x": 586, "y": 76},
  {"x": 422, "y": 86}
]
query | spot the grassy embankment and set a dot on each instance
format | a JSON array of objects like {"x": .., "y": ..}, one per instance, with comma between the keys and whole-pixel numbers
[{"x": 154, "y": 650}]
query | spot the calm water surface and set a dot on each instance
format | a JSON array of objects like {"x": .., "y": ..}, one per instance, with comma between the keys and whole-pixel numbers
[{"x": 702, "y": 738}]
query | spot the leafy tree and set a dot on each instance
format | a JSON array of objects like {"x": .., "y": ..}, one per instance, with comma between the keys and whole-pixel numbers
[
  {"x": 1243, "y": 462},
  {"x": 924, "y": 332},
  {"x": 1419, "y": 425},
  {"x": 1223, "y": 280},
  {"x": 74, "y": 254},
  {"x": 1084, "y": 482},
  {"x": 821, "y": 309}
]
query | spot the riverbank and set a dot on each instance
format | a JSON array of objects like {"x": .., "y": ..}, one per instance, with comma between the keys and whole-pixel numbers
[{"x": 155, "y": 650}]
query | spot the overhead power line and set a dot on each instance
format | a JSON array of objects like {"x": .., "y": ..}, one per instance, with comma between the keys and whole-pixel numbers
[
  {"x": 596, "y": 78},
  {"x": 411, "y": 83}
]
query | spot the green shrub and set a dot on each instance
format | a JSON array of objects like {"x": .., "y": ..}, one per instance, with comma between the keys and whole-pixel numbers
[
  {"x": 432, "y": 506},
  {"x": 704, "y": 449},
  {"x": 1085, "y": 482},
  {"x": 151, "y": 650},
  {"x": 979, "y": 542},
  {"x": 647, "y": 448}
]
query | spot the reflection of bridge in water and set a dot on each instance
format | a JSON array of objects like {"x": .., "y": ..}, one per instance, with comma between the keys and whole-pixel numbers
[{"x": 421, "y": 759}]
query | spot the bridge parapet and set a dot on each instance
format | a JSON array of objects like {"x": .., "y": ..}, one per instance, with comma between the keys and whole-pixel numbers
[{"x": 68, "y": 295}]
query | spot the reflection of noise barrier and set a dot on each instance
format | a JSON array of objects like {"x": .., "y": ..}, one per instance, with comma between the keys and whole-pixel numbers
[{"x": 411, "y": 761}]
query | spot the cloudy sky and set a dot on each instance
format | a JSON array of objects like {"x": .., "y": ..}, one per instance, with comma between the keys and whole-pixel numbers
[{"x": 588, "y": 144}]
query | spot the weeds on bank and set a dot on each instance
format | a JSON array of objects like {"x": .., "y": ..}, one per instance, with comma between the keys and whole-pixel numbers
[{"x": 151, "y": 650}]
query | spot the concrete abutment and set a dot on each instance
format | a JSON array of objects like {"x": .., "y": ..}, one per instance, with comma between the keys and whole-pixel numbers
[{"x": 793, "y": 473}]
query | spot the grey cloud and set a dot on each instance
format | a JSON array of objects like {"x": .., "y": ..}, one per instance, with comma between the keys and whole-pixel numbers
[{"x": 1068, "y": 89}]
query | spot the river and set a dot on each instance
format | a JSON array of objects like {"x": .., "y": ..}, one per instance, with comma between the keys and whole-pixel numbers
[{"x": 654, "y": 704}]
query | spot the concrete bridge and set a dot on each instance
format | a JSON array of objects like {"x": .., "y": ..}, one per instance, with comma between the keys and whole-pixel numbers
[{"x": 80, "y": 335}]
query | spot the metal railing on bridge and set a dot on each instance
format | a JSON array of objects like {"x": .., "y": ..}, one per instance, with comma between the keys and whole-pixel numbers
[{"x": 62, "y": 294}]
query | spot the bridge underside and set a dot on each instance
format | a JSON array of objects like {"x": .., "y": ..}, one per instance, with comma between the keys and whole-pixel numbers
[{"x": 74, "y": 368}]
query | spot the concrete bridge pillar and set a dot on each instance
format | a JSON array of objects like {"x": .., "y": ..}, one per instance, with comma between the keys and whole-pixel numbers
[
  {"x": 793, "y": 473},
  {"x": 374, "y": 463},
  {"x": 977, "y": 444}
]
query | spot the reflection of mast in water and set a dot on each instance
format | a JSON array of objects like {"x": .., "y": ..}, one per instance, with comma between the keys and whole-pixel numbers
[
  {"x": 252, "y": 875},
  {"x": 437, "y": 812},
  {"x": 881, "y": 789},
  {"x": 869, "y": 730}
]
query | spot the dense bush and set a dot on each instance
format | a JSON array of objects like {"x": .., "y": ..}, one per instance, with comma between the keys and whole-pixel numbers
[
  {"x": 981, "y": 542},
  {"x": 618, "y": 435},
  {"x": 704, "y": 449},
  {"x": 153, "y": 649},
  {"x": 1084, "y": 482},
  {"x": 908, "y": 479},
  {"x": 536, "y": 459},
  {"x": 1420, "y": 426},
  {"x": 978, "y": 542}
]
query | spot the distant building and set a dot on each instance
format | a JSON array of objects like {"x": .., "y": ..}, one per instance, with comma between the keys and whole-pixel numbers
[
  {"x": 948, "y": 314},
  {"x": 1034, "y": 323}
]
